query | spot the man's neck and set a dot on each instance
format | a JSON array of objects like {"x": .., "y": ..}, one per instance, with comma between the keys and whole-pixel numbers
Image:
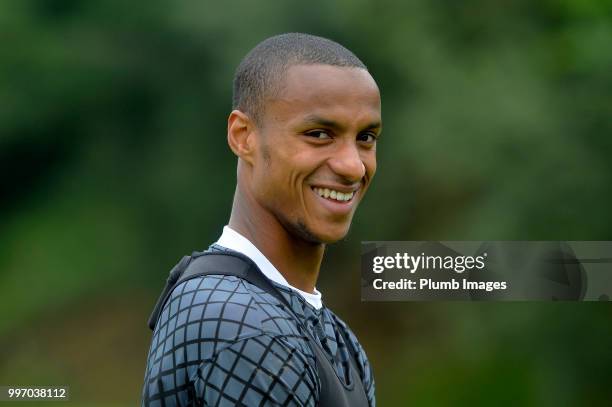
[{"x": 296, "y": 259}]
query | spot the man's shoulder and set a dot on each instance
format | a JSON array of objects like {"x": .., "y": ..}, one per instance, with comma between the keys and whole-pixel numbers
[
  {"x": 223, "y": 308},
  {"x": 343, "y": 326},
  {"x": 215, "y": 328}
]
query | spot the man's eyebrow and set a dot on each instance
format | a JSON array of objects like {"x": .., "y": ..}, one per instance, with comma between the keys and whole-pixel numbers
[
  {"x": 373, "y": 126},
  {"x": 321, "y": 121}
]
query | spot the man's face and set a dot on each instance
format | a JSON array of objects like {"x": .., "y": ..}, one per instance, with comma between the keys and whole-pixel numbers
[{"x": 316, "y": 149}]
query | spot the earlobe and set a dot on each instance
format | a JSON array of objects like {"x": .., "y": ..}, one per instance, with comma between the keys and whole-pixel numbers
[{"x": 240, "y": 137}]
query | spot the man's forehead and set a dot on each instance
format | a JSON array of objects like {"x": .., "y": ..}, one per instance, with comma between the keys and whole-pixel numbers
[{"x": 322, "y": 90}]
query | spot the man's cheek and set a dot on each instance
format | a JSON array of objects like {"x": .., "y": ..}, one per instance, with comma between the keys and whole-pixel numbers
[{"x": 370, "y": 164}]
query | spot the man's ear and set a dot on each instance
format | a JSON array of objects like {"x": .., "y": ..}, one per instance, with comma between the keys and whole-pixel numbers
[{"x": 241, "y": 135}]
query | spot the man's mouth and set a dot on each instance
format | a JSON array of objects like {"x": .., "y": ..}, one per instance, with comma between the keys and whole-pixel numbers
[{"x": 334, "y": 195}]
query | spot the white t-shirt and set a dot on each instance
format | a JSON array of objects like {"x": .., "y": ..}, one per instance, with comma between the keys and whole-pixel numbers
[{"x": 235, "y": 241}]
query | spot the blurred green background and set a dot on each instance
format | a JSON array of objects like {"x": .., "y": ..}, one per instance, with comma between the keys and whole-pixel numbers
[{"x": 113, "y": 164}]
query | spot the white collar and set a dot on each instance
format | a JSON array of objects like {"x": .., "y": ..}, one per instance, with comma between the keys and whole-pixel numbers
[{"x": 235, "y": 241}]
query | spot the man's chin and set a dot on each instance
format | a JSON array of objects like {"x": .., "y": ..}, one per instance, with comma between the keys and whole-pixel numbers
[
  {"x": 329, "y": 238},
  {"x": 325, "y": 235},
  {"x": 321, "y": 235}
]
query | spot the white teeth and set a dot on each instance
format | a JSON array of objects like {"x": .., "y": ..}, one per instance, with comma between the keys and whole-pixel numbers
[{"x": 335, "y": 195}]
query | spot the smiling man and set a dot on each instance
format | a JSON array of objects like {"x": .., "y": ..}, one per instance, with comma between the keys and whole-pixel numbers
[{"x": 243, "y": 323}]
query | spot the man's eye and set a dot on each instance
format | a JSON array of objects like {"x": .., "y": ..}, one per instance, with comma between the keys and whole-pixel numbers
[
  {"x": 367, "y": 137},
  {"x": 319, "y": 134}
]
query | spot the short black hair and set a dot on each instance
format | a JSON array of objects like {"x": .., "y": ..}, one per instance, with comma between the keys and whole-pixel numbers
[{"x": 262, "y": 70}]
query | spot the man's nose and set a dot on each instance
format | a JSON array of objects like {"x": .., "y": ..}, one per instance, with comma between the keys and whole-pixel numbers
[{"x": 347, "y": 162}]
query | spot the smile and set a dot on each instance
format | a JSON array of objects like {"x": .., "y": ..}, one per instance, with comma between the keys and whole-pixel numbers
[{"x": 333, "y": 194}]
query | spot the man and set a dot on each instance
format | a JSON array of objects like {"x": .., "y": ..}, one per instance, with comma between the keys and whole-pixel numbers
[{"x": 305, "y": 120}]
